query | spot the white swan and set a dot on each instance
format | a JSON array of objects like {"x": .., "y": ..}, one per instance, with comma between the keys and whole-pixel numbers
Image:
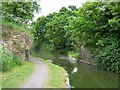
[{"x": 75, "y": 70}]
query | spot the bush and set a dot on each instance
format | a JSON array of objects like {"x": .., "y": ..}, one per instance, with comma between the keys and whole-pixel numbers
[
  {"x": 109, "y": 58},
  {"x": 9, "y": 59},
  {"x": 75, "y": 55}
]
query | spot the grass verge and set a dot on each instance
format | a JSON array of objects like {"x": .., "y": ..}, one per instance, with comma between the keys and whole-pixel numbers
[
  {"x": 17, "y": 75},
  {"x": 57, "y": 77}
]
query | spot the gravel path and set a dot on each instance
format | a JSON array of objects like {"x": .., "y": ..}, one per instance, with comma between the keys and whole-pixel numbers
[{"x": 38, "y": 77}]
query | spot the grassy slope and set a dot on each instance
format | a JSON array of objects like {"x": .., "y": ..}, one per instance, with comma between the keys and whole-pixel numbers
[
  {"x": 16, "y": 75},
  {"x": 12, "y": 78},
  {"x": 56, "y": 77},
  {"x": 17, "y": 28}
]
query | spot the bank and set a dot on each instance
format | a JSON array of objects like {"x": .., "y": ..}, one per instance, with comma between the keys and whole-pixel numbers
[
  {"x": 86, "y": 76},
  {"x": 58, "y": 76}
]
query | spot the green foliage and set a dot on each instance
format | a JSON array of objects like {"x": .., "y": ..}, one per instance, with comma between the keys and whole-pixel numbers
[
  {"x": 95, "y": 25},
  {"x": 9, "y": 59},
  {"x": 51, "y": 29},
  {"x": 45, "y": 52},
  {"x": 99, "y": 32},
  {"x": 39, "y": 31},
  {"x": 109, "y": 58},
  {"x": 56, "y": 32},
  {"x": 19, "y": 12},
  {"x": 75, "y": 55}
]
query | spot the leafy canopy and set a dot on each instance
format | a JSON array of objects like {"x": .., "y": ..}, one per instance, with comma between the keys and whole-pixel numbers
[{"x": 19, "y": 12}]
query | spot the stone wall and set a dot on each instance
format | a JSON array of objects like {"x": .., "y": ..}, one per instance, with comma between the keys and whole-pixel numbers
[{"x": 15, "y": 40}]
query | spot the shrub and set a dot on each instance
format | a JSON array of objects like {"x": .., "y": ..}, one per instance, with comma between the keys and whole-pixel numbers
[
  {"x": 109, "y": 58},
  {"x": 75, "y": 55},
  {"x": 9, "y": 59}
]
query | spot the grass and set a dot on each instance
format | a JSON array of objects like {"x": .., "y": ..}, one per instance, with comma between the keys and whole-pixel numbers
[
  {"x": 17, "y": 28},
  {"x": 12, "y": 78},
  {"x": 17, "y": 75},
  {"x": 57, "y": 77}
]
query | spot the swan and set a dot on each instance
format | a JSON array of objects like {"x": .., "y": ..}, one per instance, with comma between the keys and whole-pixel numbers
[{"x": 75, "y": 70}]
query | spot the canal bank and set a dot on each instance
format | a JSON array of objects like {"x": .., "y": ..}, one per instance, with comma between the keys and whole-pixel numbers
[
  {"x": 86, "y": 76},
  {"x": 57, "y": 76}
]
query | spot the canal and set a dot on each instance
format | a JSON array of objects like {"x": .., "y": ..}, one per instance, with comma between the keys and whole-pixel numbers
[{"x": 84, "y": 76}]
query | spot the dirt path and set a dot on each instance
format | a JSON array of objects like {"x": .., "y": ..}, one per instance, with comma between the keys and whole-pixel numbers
[{"x": 40, "y": 74}]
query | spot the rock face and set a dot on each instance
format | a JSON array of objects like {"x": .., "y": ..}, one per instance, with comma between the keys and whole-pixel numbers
[
  {"x": 85, "y": 53},
  {"x": 15, "y": 41},
  {"x": 86, "y": 56}
]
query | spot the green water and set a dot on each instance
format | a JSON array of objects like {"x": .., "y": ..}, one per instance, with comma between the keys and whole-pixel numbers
[
  {"x": 91, "y": 77},
  {"x": 87, "y": 76}
]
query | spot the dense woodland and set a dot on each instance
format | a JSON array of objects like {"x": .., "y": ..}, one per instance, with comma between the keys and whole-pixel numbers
[{"x": 95, "y": 25}]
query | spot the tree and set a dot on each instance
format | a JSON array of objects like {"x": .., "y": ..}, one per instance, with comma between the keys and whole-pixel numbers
[
  {"x": 39, "y": 32},
  {"x": 19, "y": 12},
  {"x": 56, "y": 31},
  {"x": 95, "y": 24},
  {"x": 56, "y": 28}
]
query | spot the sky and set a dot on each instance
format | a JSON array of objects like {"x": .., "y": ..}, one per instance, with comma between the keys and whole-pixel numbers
[{"x": 50, "y": 6}]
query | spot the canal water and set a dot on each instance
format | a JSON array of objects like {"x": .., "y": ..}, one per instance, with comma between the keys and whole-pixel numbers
[{"x": 82, "y": 75}]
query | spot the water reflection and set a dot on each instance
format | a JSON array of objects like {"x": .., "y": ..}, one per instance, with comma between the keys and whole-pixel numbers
[{"x": 83, "y": 75}]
